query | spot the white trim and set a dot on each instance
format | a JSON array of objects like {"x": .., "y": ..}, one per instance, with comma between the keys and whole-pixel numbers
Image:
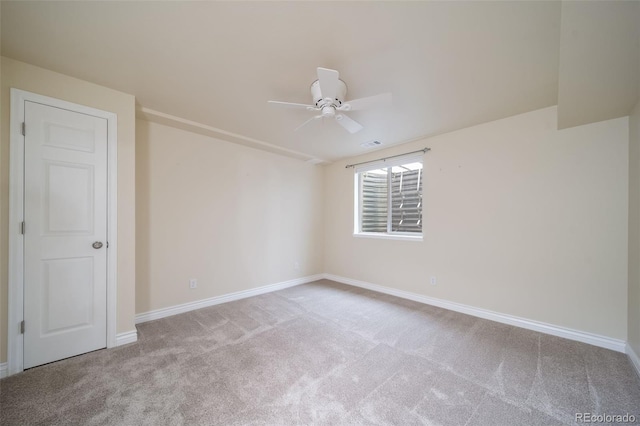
[
  {"x": 3, "y": 370},
  {"x": 634, "y": 358},
  {"x": 127, "y": 337},
  {"x": 387, "y": 236},
  {"x": 357, "y": 202},
  {"x": 190, "y": 306},
  {"x": 112, "y": 228},
  {"x": 554, "y": 330},
  {"x": 15, "y": 341}
]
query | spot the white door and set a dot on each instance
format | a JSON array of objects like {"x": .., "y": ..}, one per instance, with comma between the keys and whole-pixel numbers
[{"x": 65, "y": 247}]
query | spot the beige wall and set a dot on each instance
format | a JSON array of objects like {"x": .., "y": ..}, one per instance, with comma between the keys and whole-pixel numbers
[
  {"x": 519, "y": 218},
  {"x": 634, "y": 230},
  {"x": 38, "y": 80},
  {"x": 230, "y": 216}
]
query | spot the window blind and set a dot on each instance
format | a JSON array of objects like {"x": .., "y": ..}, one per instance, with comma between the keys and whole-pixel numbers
[{"x": 392, "y": 189}]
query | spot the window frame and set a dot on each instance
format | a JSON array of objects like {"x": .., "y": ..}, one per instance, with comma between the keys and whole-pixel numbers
[{"x": 358, "y": 198}]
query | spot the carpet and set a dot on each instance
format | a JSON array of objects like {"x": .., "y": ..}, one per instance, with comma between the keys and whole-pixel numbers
[{"x": 326, "y": 354}]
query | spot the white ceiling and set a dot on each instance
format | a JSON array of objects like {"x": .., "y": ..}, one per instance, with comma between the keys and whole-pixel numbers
[{"x": 214, "y": 65}]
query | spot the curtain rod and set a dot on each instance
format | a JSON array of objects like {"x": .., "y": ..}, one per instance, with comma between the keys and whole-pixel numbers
[{"x": 424, "y": 150}]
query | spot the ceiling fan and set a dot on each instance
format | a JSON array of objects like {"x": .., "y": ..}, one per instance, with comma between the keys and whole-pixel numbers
[{"x": 328, "y": 93}]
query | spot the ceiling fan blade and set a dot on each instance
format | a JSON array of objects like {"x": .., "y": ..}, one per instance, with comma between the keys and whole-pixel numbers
[
  {"x": 328, "y": 82},
  {"x": 315, "y": 117},
  {"x": 351, "y": 125},
  {"x": 291, "y": 105},
  {"x": 383, "y": 99}
]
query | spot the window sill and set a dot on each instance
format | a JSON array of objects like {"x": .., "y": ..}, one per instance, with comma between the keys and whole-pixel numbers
[{"x": 383, "y": 236}]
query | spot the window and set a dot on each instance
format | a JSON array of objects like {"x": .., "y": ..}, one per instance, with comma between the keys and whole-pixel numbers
[{"x": 389, "y": 198}]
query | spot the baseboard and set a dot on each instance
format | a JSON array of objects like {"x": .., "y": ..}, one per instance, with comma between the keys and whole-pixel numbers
[
  {"x": 126, "y": 337},
  {"x": 635, "y": 359},
  {"x": 580, "y": 336},
  {"x": 121, "y": 339},
  {"x": 190, "y": 306},
  {"x": 554, "y": 330}
]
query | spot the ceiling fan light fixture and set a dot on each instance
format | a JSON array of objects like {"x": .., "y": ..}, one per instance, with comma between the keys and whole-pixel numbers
[{"x": 330, "y": 111}]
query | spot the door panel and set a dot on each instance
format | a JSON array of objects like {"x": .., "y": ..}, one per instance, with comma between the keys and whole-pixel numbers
[
  {"x": 71, "y": 211},
  {"x": 63, "y": 284},
  {"x": 65, "y": 213}
]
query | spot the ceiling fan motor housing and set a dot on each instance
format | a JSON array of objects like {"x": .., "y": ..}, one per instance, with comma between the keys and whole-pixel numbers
[
  {"x": 329, "y": 100},
  {"x": 341, "y": 93}
]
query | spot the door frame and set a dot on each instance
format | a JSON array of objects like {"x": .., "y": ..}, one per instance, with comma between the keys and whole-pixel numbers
[{"x": 15, "y": 339}]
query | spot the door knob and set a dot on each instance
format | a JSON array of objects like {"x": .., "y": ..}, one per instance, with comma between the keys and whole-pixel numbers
[{"x": 97, "y": 245}]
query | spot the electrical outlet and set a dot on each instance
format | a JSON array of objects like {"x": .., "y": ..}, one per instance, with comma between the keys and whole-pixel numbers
[
  {"x": 193, "y": 283},
  {"x": 433, "y": 281}
]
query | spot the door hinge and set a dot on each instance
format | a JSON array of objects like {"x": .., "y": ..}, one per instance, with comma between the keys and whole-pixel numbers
[
  {"x": 24, "y": 129},
  {"x": 22, "y": 327},
  {"x": 22, "y": 228},
  {"x": 107, "y": 244}
]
